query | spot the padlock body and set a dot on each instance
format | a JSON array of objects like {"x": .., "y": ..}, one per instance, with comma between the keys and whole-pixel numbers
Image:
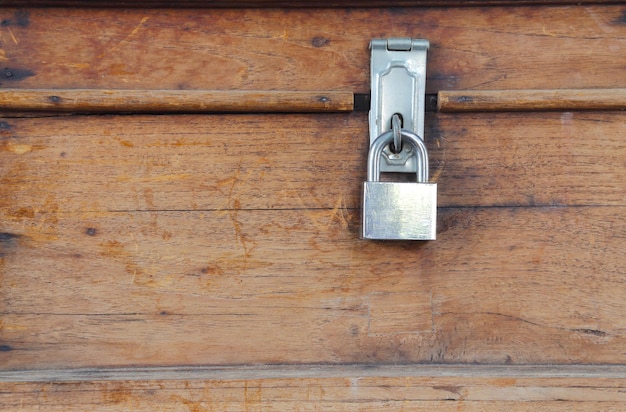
[{"x": 399, "y": 211}]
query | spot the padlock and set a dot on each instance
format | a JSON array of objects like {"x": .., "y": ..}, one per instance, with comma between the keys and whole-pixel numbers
[{"x": 399, "y": 210}]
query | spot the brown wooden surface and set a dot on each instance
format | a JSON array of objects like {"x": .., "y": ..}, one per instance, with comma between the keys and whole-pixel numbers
[
  {"x": 531, "y": 100},
  {"x": 172, "y": 101},
  {"x": 345, "y": 388},
  {"x": 502, "y": 48},
  {"x": 505, "y": 285},
  {"x": 223, "y": 162},
  {"x": 190, "y": 240},
  {"x": 291, "y": 3}
]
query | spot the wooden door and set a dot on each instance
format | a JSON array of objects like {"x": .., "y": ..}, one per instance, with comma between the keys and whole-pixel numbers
[{"x": 213, "y": 261}]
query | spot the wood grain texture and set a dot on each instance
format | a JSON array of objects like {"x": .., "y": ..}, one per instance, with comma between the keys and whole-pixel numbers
[
  {"x": 102, "y": 251},
  {"x": 129, "y": 241},
  {"x": 471, "y": 48},
  {"x": 505, "y": 285},
  {"x": 344, "y": 388},
  {"x": 531, "y": 100},
  {"x": 109, "y": 163},
  {"x": 290, "y": 4},
  {"x": 175, "y": 101},
  {"x": 605, "y": 375}
]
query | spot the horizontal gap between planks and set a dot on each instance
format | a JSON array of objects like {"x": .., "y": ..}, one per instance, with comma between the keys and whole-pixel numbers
[{"x": 313, "y": 371}]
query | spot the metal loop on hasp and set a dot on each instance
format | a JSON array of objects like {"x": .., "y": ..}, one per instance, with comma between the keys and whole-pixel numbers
[
  {"x": 396, "y": 126},
  {"x": 376, "y": 150}
]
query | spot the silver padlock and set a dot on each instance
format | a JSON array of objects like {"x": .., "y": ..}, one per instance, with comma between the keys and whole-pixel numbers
[{"x": 397, "y": 210}]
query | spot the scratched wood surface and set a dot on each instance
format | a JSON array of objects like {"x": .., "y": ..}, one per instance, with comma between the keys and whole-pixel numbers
[
  {"x": 401, "y": 388},
  {"x": 143, "y": 240},
  {"x": 223, "y": 162},
  {"x": 500, "y": 285},
  {"x": 326, "y": 49}
]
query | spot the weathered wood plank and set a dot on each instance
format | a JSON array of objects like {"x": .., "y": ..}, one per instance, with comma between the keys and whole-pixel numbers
[
  {"x": 531, "y": 100},
  {"x": 290, "y": 4},
  {"x": 327, "y": 388},
  {"x": 175, "y": 101},
  {"x": 62, "y": 164},
  {"x": 122, "y": 400},
  {"x": 200, "y": 268},
  {"x": 608, "y": 376},
  {"x": 500, "y": 285},
  {"x": 472, "y": 48}
]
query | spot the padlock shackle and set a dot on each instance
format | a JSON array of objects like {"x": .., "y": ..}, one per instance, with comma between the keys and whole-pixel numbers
[{"x": 376, "y": 151}]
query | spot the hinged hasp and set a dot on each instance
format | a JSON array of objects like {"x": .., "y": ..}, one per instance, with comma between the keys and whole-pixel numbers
[
  {"x": 398, "y": 78},
  {"x": 395, "y": 210}
]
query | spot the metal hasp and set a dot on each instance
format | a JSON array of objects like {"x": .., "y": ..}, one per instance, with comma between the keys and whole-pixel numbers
[
  {"x": 398, "y": 76},
  {"x": 398, "y": 210}
]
